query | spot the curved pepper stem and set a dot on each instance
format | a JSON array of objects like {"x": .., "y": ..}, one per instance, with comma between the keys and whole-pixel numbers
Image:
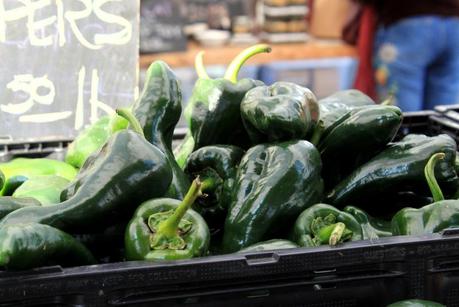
[
  {"x": 199, "y": 66},
  {"x": 127, "y": 114},
  {"x": 318, "y": 132},
  {"x": 235, "y": 66},
  {"x": 429, "y": 173},
  {"x": 337, "y": 233}
]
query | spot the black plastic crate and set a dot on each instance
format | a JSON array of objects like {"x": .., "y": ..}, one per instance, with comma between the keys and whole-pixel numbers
[{"x": 363, "y": 273}]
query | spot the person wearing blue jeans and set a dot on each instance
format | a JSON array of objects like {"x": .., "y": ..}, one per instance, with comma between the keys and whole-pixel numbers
[{"x": 416, "y": 52}]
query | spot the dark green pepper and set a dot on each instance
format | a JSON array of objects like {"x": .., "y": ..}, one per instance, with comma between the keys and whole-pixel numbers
[
  {"x": 416, "y": 303},
  {"x": 26, "y": 246},
  {"x": 372, "y": 228},
  {"x": 431, "y": 218},
  {"x": 184, "y": 149},
  {"x": 213, "y": 110},
  {"x": 282, "y": 111},
  {"x": 358, "y": 136},
  {"x": 46, "y": 189},
  {"x": 399, "y": 167},
  {"x": 158, "y": 110},
  {"x": 269, "y": 245},
  {"x": 167, "y": 229},
  {"x": 125, "y": 172},
  {"x": 93, "y": 138},
  {"x": 274, "y": 183},
  {"x": 2, "y": 180},
  {"x": 18, "y": 170},
  {"x": 216, "y": 167},
  {"x": 9, "y": 204},
  {"x": 324, "y": 224}
]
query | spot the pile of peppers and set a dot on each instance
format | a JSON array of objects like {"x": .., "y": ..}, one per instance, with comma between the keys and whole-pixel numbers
[{"x": 262, "y": 167}]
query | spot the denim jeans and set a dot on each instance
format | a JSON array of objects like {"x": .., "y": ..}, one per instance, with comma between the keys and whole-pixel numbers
[{"x": 417, "y": 59}]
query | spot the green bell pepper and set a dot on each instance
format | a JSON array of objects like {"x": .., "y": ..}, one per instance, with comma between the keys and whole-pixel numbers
[
  {"x": 18, "y": 170},
  {"x": 324, "y": 224},
  {"x": 282, "y": 111},
  {"x": 167, "y": 229},
  {"x": 26, "y": 246},
  {"x": 416, "y": 303},
  {"x": 158, "y": 110},
  {"x": 399, "y": 167},
  {"x": 269, "y": 245},
  {"x": 372, "y": 228},
  {"x": 111, "y": 184},
  {"x": 9, "y": 204},
  {"x": 46, "y": 189},
  {"x": 216, "y": 167},
  {"x": 93, "y": 138},
  {"x": 274, "y": 183}
]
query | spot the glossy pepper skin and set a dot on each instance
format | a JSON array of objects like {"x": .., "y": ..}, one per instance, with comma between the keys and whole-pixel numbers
[
  {"x": 216, "y": 166},
  {"x": 46, "y": 189},
  {"x": 18, "y": 170},
  {"x": 269, "y": 246},
  {"x": 400, "y": 167},
  {"x": 213, "y": 110},
  {"x": 125, "y": 172},
  {"x": 360, "y": 135},
  {"x": 93, "y": 138},
  {"x": 26, "y": 246},
  {"x": 167, "y": 229},
  {"x": 9, "y": 204},
  {"x": 158, "y": 110},
  {"x": 274, "y": 183},
  {"x": 416, "y": 303},
  {"x": 372, "y": 228},
  {"x": 324, "y": 224},
  {"x": 283, "y": 111}
]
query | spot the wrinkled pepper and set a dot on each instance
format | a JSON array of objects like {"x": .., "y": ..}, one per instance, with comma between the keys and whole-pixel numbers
[
  {"x": 431, "y": 218},
  {"x": 416, "y": 303},
  {"x": 358, "y": 136},
  {"x": 93, "y": 138},
  {"x": 400, "y": 167},
  {"x": 372, "y": 228},
  {"x": 269, "y": 245},
  {"x": 18, "y": 170},
  {"x": 158, "y": 110},
  {"x": 9, "y": 204},
  {"x": 111, "y": 184},
  {"x": 274, "y": 183},
  {"x": 167, "y": 229},
  {"x": 46, "y": 189},
  {"x": 324, "y": 224},
  {"x": 26, "y": 246},
  {"x": 213, "y": 111},
  {"x": 283, "y": 111},
  {"x": 216, "y": 167}
]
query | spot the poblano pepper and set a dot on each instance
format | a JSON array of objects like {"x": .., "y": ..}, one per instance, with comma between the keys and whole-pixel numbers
[
  {"x": 416, "y": 303},
  {"x": 400, "y": 167},
  {"x": 324, "y": 224},
  {"x": 158, "y": 110},
  {"x": 372, "y": 228},
  {"x": 2, "y": 180},
  {"x": 26, "y": 246},
  {"x": 18, "y": 170},
  {"x": 269, "y": 246},
  {"x": 431, "y": 218},
  {"x": 111, "y": 184},
  {"x": 274, "y": 183},
  {"x": 46, "y": 189},
  {"x": 9, "y": 204},
  {"x": 358, "y": 136},
  {"x": 213, "y": 110},
  {"x": 216, "y": 167},
  {"x": 93, "y": 138},
  {"x": 283, "y": 111},
  {"x": 167, "y": 229}
]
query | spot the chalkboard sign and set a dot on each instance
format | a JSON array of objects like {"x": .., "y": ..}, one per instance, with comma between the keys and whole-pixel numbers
[
  {"x": 64, "y": 64},
  {"x": 161, "y": 26}
]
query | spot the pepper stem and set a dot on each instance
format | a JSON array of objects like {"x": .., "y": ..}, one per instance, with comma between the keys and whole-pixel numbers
[
  {"x": 318, "y": 132},
  {"x": 336, "y": 233},
  {"x": 209, "y": 184},
  {"x": 135, "y": 125},
  {"x": 199, "y": 66},
  {"x": 429, "y": 173},
  {"x": 169, "y": 227},
  {"x": 235, "y": 66}
]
